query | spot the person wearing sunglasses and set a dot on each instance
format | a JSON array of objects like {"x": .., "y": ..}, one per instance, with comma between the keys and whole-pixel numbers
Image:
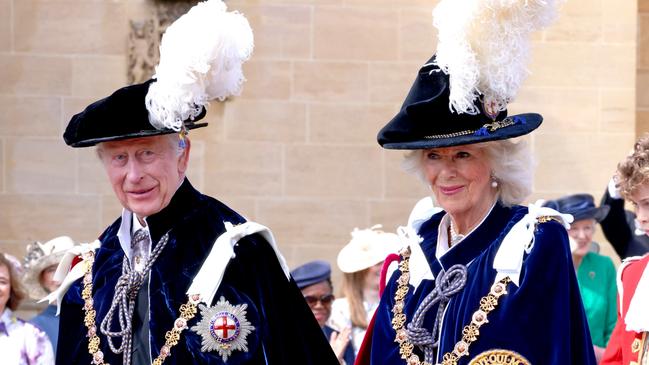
[{"x": 314, "y": 280}]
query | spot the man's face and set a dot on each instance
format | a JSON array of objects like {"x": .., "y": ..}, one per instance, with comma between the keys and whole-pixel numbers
[{"x": 144, "y": 172}]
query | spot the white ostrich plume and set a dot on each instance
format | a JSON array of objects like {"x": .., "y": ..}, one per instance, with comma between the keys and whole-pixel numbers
[
  {"x": 201, "y": 55},
  {"x": 484, "y": 46}
]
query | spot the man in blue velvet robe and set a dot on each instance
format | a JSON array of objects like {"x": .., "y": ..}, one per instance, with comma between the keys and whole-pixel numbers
[{"x": 125, "y": 308}]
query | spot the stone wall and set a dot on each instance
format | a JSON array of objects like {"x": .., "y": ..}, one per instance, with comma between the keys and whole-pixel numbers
[{"x": 297, "y": 150}]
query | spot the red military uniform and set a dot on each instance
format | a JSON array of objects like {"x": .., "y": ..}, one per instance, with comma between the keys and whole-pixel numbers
[{"x": 627, "y": 346}]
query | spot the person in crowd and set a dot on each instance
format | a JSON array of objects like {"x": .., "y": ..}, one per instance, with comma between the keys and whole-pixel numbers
[
  {"x": 485, "y": 281},
  {"x": 595, "y": 272},
  {"x": 629, "y": 343},
  {"x": 179, "y": 278},
  {"x": 21, "y": 343},
  {"x": 360, "y": 261},
  {"x": 314, "y": 280},
  {"x": 620, "y": 227},
  {"x": 40, "y": 264}
]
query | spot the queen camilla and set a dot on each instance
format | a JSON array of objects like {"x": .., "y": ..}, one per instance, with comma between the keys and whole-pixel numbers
[{"x": 485, "y": 281}]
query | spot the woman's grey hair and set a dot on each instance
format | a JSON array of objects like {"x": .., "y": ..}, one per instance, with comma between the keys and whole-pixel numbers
[{"x": 512, "y": 166}]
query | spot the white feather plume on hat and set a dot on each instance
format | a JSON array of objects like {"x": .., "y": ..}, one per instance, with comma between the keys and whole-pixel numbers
[
  {"x": 201, "y": 55},
  {"x": 483, "y": 45}
]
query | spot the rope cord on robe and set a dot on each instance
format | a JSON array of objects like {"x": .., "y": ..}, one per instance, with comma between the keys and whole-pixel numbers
[
  {"x": 126, "y": 290},
  {"x": 447, "y": 284},
  {"x": 187, "y": 312},
  {"x": 470, "y": 332}
]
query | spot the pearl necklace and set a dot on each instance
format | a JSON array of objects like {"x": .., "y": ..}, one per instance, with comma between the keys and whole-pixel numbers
[{"x": 454, "y": 236}]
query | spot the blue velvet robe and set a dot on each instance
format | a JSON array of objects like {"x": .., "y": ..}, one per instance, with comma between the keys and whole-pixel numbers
[
  {"x": 543, "y": 319},
  {"x": 286, "y": 331}
]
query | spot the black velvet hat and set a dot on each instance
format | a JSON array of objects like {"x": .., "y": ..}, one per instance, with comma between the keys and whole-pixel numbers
[
  {"x": 580, "y": 206},
  {"x": 426, "y": 120},
  {"x": 122, "y": 115},
  {"x": 311, "y": 273}
]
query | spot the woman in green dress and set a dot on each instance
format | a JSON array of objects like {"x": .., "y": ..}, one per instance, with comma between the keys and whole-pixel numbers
[{"x": 595, "y": 272}]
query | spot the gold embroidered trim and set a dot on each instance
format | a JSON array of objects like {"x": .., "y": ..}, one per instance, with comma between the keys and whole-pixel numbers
[
  {"x": 187, "y": 312},
  {"x": 499, "y": 357},
  {"x": 470, "y": 332},
  {"x": 547, "y": 218},
  {"x": 635, "y": 345},
  {"x": 639, "y": 346},
  {"x": 491, "y": 127}
]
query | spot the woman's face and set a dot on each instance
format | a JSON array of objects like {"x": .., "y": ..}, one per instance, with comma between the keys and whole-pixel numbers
[
  {"x": 640, "y": 199},
  {"x": 5, "y": 287},
  {"x": 319, "y": 297},
  {"x": 581, "y": 233},
  {"x": 459, "y": 177},
  {"x": 373, "y": 277},
  {"x": 47, "y": 279}
]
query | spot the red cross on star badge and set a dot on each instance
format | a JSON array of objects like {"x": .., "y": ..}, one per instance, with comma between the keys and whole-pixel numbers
[{"x": 224, "y": 328}]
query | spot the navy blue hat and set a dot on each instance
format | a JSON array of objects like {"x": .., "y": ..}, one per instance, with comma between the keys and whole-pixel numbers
[
  {"x": 311, "y": 273},
  {"x": 122, "y": 115},
  {"x": 426, "y": 120},
  {"x": 580, "y": 206}
]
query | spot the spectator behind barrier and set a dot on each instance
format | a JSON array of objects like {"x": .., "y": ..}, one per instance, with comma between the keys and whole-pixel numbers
[
  {"x": 595, "y": 272},
  {"x": 314, "y": 280},
  {"x": 20, "y": 342}
]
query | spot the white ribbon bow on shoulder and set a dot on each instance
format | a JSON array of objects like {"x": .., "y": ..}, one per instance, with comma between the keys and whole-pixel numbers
[
  {"x": 520, "y": 240},
  {"x": 210, "y": 275}
]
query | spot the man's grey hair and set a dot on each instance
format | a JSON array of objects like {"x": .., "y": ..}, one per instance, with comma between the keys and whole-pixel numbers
[
  {"x": 172, "y": 138},
  {"x": 511, "y": 162}
]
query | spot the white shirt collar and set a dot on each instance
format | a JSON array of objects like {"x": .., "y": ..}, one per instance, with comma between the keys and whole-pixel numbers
[
  {"x": 8, "y": 319},
  {"x": 6, "y": 316},
  {"x": 125, "y": 231},
  {"x": 442, "y": 233}
]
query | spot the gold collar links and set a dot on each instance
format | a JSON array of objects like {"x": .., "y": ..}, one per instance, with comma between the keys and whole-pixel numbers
[{"x": 187, "y": 312}]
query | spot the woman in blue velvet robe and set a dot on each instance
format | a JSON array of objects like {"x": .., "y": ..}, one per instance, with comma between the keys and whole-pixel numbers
[{"x": 485, "y": 281}]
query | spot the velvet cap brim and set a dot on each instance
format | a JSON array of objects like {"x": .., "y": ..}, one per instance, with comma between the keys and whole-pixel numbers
[{"x": 122, "y": 115}]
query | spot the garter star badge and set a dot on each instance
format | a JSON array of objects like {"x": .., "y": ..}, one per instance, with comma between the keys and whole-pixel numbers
[{"x": 224, "y": 328}]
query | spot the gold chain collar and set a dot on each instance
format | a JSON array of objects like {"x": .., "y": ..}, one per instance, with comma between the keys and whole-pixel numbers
[
  {"x": 187, "y": 312},
  {"x": 488, "y": 128},
  {"x": 470, "y": 332}
]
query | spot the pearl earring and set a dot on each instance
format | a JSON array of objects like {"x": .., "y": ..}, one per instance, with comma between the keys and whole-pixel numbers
[{"x": 494, "y": 181}]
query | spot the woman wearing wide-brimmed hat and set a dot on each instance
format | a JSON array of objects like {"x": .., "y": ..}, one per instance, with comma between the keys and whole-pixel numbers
[
  {"x": 595, "y": 272},
  {"x": 360, "y": 261},
  {"x": 40, "y": 265},
  {"x": 486, "y": 281}
]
